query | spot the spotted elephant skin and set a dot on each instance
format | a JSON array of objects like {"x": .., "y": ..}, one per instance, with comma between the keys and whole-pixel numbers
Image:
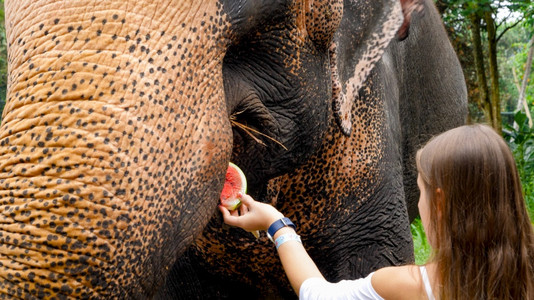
[
  {"x": 122, "y": 117},
  {"x": 351, "y": 199}
]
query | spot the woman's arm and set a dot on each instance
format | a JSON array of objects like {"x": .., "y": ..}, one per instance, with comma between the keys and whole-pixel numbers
[
  {"x": 259, "y": 216},
  {"x": 386, "y": 282},
  {"x": 296, "y": 262}
]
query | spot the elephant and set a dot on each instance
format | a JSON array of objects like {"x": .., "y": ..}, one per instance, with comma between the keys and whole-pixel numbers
[
  {"x": 354, "y": 198},
  {"x": 122, "y": 116}
]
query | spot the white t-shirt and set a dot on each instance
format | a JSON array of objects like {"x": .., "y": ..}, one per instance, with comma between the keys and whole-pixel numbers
[
  {"x": 359, "y": 289},
  {"x": 318, "y": 288}
]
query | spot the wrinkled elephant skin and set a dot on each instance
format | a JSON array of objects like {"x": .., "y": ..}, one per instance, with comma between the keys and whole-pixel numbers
[
  {"x": 350, "y": 200},
  {"x": 120, "y": 122}
]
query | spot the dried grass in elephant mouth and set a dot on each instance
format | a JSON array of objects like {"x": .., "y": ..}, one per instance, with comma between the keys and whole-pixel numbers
[{"x": 251, "y": 131}]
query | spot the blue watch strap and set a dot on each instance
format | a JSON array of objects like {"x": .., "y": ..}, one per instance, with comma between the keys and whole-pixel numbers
[{"x": 279, "y": 224}]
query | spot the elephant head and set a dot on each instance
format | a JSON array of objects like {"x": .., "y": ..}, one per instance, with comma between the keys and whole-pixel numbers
[
  {"x": 349, "y": 200},
  {"x": 122, "y": 117}
]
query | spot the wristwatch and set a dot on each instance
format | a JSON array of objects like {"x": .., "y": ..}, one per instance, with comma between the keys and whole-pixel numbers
[{"x": 277, "y": 225}]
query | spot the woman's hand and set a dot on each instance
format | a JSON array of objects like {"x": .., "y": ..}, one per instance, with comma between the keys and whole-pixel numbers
[{"x": 252, "y": 215}]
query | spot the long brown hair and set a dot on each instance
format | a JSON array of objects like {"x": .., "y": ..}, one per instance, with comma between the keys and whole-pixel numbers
[{"x": 483, "y": 236}]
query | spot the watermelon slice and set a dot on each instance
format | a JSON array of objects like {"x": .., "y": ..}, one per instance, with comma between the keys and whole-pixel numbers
[{"x": 235, "y": 183}]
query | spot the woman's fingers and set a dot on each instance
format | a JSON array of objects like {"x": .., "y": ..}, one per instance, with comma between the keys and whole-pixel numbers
[
  {"x": 251, "y": 215},
  {"x": 225, "y": 212},
  {"x": 245, "y": 216},
  {"x": 229, "y": 217},
  {"x": 246, "y": 199},
  {"x": 243, "y": 209}
]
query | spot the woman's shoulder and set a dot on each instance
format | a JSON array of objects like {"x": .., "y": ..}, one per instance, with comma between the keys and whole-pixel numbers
[{"x": 402, "y": 282}]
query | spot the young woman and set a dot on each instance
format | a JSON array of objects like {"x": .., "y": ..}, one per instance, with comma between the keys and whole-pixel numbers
[{"x": 473, "y": 212}]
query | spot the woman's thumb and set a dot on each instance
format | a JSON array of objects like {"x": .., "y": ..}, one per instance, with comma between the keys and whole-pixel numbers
[{"x": 246, "y": 199}]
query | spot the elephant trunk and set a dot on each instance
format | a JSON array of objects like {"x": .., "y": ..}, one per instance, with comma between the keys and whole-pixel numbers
[{"x": 113, "y": 143}]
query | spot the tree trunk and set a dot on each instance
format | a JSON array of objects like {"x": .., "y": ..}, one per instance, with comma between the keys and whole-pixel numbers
[
  {"x": 441, "y": 5},
  {"x": 483, "y": 92},
  {"x": 495, "y": 101},
  {"x": 522, "y": 102}
]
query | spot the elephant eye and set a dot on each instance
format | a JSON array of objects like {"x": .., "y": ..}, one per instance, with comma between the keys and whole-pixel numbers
[{"x": 252, "y": 119}]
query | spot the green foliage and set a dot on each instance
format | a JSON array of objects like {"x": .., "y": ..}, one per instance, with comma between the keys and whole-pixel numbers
[
  {"x": 512, "y": 55},
  {"x": 421, "y": 247},
  {"x": 467, "y": 7},
  {"x": 514, "y": 24},
  {"x": 521, "y": 141}
]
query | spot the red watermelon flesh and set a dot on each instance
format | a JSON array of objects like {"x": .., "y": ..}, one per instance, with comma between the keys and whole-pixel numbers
[{"x": 235, "y": 183}]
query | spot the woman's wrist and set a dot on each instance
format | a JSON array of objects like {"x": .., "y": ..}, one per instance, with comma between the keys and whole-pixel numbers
[
  {"x": 278, "y": 230},
  {"x": 273, "y": 218},
  {"x": 283, "y": 230}
]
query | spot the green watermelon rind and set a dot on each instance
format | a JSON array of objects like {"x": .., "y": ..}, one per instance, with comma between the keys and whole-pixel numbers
[{"x": 242, "y": 177}]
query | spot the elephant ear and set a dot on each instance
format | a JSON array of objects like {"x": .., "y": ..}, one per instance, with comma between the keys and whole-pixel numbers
[
  {"x": 366, "y": 29},
  {"x": 322, "y": 19},
  {"x": 408, "y": 8}
]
